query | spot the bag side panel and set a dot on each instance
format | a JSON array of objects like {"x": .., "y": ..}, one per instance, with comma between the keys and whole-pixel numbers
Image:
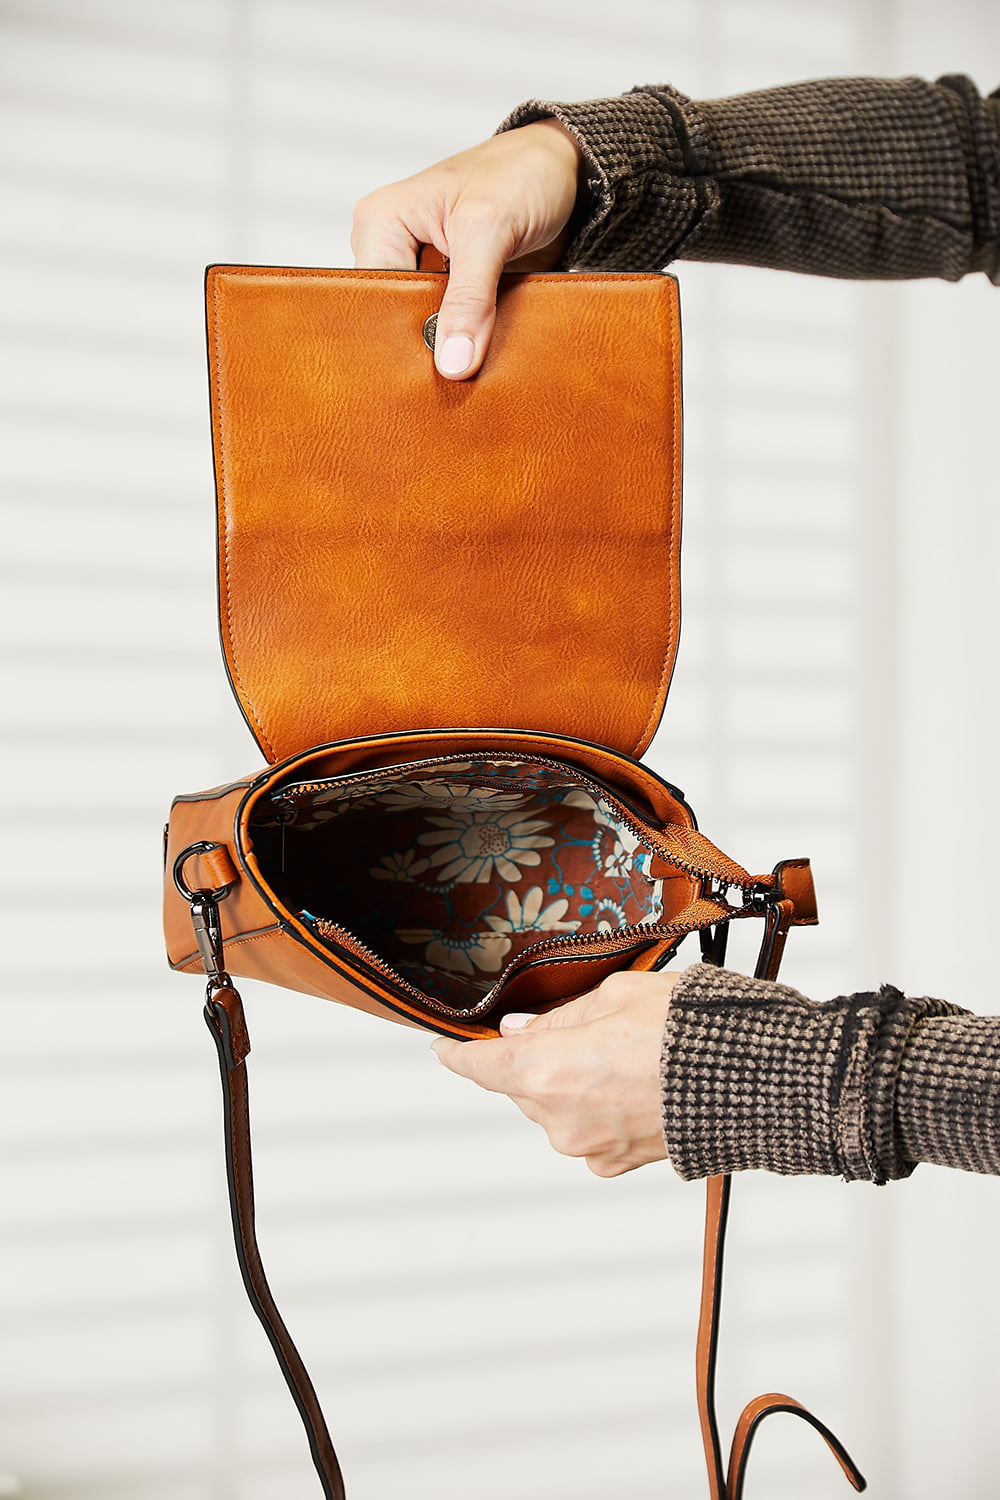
[{"x": 257, "y": 942}]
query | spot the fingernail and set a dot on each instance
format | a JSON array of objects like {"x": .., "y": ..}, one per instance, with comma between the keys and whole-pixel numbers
[
  {"x": 517, "y": 1022},
  {"x": 456, "y": 354}
]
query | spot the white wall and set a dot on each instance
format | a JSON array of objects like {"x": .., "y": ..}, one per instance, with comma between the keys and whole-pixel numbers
[{"x": 511, "y": 1322}]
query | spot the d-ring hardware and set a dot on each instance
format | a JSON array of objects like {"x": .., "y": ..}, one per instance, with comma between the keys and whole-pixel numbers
[{"x": 202, "y": 847}]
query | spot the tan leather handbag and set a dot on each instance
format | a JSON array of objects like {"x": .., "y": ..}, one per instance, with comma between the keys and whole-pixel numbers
[{"x": 449, "y": 613}]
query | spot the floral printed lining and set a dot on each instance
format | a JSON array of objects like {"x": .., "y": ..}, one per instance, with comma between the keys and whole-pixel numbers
[{"x": 449, "y": 873}]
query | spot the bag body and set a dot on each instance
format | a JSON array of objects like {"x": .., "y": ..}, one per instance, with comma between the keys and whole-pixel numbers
[
  {"x": 442, "y": 878},
  {"x": 407, "y": 560}
]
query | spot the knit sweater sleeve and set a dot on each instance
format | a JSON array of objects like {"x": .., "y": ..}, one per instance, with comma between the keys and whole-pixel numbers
[
  {"x": 863, "y": 1087},
  {"x": 850, "y": 177}
]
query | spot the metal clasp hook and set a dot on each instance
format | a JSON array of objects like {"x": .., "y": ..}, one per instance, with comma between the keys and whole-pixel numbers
[
  {"x": 205, "y": 918},
  {"x": 208, "y": 936}
]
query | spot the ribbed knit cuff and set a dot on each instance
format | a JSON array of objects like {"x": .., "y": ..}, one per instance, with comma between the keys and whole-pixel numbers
[
  {"x": 948, "y": 1096},
  {"x": 647, "y": 188},
  {"x": 755, "y": 1075}
]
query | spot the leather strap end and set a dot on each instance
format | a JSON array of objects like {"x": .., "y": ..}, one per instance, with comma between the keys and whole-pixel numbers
[
  {"x": 794, "y": 880},
  {"x": 210, "y": 870},
  {"x": 750, "y": 1419},
  {"x": 224, "y": 1013}
]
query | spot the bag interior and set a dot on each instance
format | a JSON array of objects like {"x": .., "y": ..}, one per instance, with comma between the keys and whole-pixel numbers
[{"x": 449, "y": 873}]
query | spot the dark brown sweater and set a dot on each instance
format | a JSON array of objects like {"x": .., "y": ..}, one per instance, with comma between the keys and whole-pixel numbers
[
  {"x": 850, "y": 177},
  {"x": 853, "y": 177}
]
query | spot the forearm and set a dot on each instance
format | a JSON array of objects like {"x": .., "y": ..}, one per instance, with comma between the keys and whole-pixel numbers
[
  {"x": 864, "y": 1087},
  {"x": 852, "y": 177}
]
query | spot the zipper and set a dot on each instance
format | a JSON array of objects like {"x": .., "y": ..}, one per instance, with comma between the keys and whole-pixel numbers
[
  {"x": 642, "y": 832},
  {"x": 330, "y": 931},
  {"x": 622, "y": 937}
]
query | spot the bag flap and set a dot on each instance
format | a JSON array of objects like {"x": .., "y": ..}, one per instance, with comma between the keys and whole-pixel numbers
[{"x": 398, "y": 551}]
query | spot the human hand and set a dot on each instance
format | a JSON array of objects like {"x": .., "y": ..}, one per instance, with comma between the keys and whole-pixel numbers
[
  {"x": 502, "y": 204},
  {"x": 587, "y": 1072}
]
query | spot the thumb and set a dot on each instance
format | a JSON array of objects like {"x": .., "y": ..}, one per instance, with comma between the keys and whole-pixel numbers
[
  {"x": 514, "y": 1023},
  {"x": 572, "y": 1013},
  {"x": 469, "y": 306},
  {"x": 591, "y": 1006}
]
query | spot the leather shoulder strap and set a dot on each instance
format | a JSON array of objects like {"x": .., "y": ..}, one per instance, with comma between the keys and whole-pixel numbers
[
  {"x": 224, "y": 1014},
  {"x": 725, "y": 1481},
  {"x": 226, "y": 1022}
]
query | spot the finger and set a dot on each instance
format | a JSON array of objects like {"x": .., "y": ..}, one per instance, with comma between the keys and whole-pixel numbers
[
  {"x": 516, "y": 1022},
  {"x": 606, "y": 1165},
  {"x": 381, "y": 237},
  {"x": 468, "y": 309},
  {"x": 387, "y": 248},
  {"x": 490, "y": 1063},
  {"x": 626, "y": 988},
  {"x": 591, "y": 1006}
]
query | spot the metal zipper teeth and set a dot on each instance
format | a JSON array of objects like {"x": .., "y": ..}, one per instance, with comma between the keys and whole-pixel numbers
[
  {"x": 329, "y": 930},
  {"x": 622, "y": 936},
  {"x": 385, "y": 772}
]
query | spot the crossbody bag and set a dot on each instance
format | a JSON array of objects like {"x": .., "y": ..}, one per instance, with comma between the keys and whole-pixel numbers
[{"x": 449, "y": 613}]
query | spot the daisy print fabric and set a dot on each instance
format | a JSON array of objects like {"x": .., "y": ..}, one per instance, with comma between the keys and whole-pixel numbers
[{"x": 453, "y": 873}]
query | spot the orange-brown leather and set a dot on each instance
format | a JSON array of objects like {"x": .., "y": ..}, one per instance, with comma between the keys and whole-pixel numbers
[
  {"x": 256, "y": 946},
  {"x": 431, "y": 259},
  {"x": 750, "y": 1419},
  {"x": 793, "y": 878},
  {"x": 397, "y": 550},
  {"x": 264, "y": 940},
  {"x": 211, "y": 870}
]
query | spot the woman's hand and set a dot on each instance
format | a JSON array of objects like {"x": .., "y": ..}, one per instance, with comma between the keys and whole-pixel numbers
[
  {"x": 588, "y": 1073},
  {"x": 504, "y": 203}
]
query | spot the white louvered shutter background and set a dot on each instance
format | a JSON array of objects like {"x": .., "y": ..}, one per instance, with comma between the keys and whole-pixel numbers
[{"x": 481, "y": 1316}]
